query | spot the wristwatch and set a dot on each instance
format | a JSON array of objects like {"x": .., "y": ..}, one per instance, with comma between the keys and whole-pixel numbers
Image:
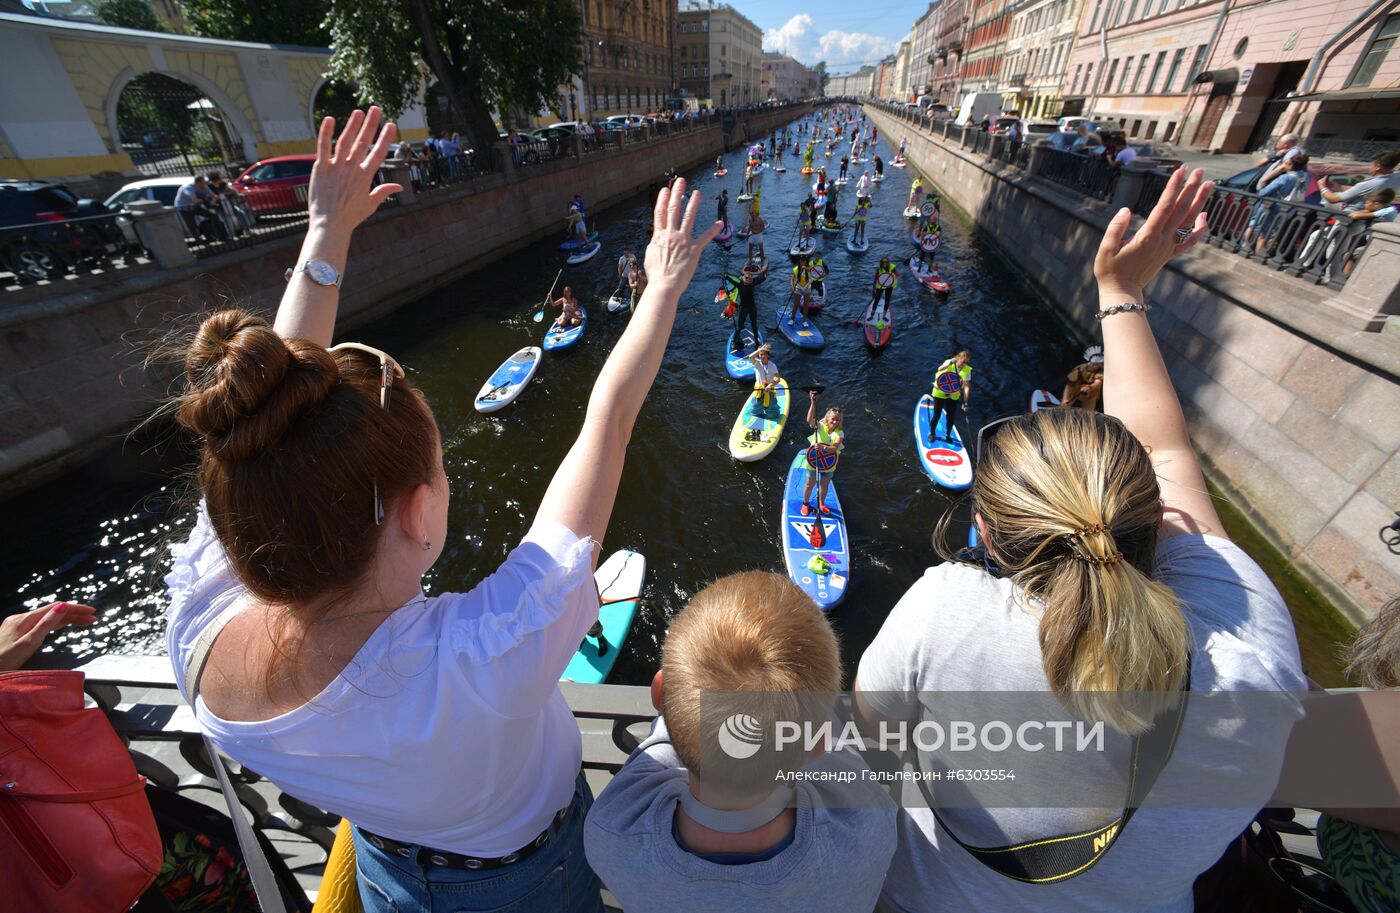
[{"x": 321, "y": 272}]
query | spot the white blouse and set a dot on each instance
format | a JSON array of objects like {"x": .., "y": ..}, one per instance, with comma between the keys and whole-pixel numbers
[{"x": 447, "y": 729}]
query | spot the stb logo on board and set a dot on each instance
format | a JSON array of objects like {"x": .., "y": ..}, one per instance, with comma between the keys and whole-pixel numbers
[
  {"x": 741, "y": 736},
  {"x": 940, "y": 456}
]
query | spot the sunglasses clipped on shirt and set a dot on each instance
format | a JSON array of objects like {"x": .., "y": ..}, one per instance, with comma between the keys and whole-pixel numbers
[{"x": 389, "y": 371}]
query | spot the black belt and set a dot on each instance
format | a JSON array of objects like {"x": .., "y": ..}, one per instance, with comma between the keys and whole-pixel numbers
[{"x": 443, "y": 859}]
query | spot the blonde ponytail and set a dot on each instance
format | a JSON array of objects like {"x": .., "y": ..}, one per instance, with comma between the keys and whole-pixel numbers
[{"x": 1071, "y": 505}]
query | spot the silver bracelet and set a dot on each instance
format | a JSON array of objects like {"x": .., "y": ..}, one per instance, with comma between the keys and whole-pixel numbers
[{"x": 1120, "y": 308}]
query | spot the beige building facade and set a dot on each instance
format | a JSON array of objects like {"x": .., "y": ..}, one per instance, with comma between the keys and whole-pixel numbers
[
  {"x": 718, "y": 54},
  {"x": 1037, "y": 52},
  {"x": 786, "y": 78}
]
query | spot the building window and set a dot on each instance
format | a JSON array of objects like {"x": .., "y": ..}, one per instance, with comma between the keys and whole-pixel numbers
[
  {"x": 1123, "y": 81},
  {"x": 1137, "y": 77},
  {"x": 1088, "y": 77},
  {"x": 1167, "y": 133},
  {"x": 1173, "y": 70},
  {"x": 1198, "y": 63},
  {"x": 1078, "y": 71},
  {"x": 1151, "y": 129},
  {"x": 705, "y": 25},
  {"x": 1380, "y": 47},
  {"x": 1156, "y": 71},
  {"x": 1112, "y": 71},
  {"x": 1132, "y": 10}
]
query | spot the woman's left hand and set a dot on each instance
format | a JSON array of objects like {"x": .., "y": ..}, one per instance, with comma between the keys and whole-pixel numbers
[
  {"x": 340, "y": 196},
  {"x": 23, "y": 634}
]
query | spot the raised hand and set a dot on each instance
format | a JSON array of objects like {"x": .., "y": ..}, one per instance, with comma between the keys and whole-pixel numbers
[
  {"x": 673, "y": 253},
  {"x": 340, "y": 196},
  {"x": 1176, "y": 223},
  {"x": 23, "y": 634}
]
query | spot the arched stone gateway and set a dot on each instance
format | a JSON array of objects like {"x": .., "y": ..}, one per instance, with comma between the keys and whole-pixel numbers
[{"x": 252, "y": 101}]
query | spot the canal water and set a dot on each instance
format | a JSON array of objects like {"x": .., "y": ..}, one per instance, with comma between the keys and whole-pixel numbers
[{"x": 99, "y": 535}]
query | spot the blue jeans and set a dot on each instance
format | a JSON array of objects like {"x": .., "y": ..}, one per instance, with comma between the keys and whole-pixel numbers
[{"x": 555, "y": 879}]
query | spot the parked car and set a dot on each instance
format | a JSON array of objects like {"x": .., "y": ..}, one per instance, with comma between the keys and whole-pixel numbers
[
  {"x": 1072, "y": 124},
  {"x": 558, "y": 136},
  {"x": 277, "y": 184},
  {"x": 626, "y": 121},
  {"x": 940, "y": 111},
  {"x": 1003, "y": 124},
  {"x": 1039, "y": 131},
  {"x": 233, "y": 214},
  {"x": 45, "y": 230}
]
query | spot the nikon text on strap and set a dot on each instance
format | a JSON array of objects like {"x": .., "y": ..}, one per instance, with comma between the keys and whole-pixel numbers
[{"x": 1051, "y": 859}]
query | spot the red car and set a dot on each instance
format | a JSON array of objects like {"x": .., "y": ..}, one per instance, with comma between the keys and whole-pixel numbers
[{"x": 277, "y": 184}]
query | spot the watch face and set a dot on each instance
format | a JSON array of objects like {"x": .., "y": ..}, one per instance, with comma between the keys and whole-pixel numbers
[{"x": 321, "y": 272}]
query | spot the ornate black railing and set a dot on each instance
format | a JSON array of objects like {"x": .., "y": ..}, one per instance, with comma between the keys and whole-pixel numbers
[
  {"x": 1089, "y": 176},
  {"x": 1314, "y": 243}
]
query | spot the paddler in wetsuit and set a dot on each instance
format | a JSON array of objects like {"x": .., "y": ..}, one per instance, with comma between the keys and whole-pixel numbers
[
  {"x": 828, "y": 434},
  {"x": 722, "y": 208},
  {"x": 748, "y": 307},
  {"x": 1084, "y": 384},
  {"x": 829, "y": 216},
  {"x": 958, "y": 374},
  {"x": 845, "y": 165}
]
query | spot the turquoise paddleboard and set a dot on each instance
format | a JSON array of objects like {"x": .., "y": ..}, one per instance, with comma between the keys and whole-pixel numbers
[{"x": 620, "y": 581}]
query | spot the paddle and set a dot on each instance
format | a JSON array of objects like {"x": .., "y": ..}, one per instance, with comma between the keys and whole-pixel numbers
[{"x": 539, "y": 315}]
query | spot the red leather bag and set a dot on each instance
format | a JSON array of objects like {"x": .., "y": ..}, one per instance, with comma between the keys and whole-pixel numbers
[{"x": 76, "y": 831}]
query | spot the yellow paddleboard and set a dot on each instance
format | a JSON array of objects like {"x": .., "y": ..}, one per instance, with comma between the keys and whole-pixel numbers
[{"x": 768, "y": 422}]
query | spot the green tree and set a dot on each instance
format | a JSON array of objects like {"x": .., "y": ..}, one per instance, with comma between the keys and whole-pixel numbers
[
  {"x": 484, "y": 54},
  {"x": 128, "y": 14},
  {"x": 268, "y": 21},
  {"x": 819, "y": 71}
]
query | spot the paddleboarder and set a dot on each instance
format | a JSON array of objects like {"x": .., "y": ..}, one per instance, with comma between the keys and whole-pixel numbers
[
  {"x": 722, "y": 207},
  {"x": 1084, "y": 384},
  {"x": 879, "y": 167},
  {"x": 801, "y": 283},
  {"x": 830, "y": 436},
  {"x": 756, "y": 226},
  {"x": 886, "y": 278},
  {"x": 765, "y": 378},
  {"x": 578, "y": 228},
  {"x": 571, "y": 316},
  {"x": 804, "y": 224},
  {"x": 748, "y": 179},
  {"x": 816, "y": 266},
  {"x": 748, "y": 306},
  {"x": 637, "y": 282},
  {"x": 861, "y": 214},
  {"x": 952, "y": 383},
  {"x": 625, "y": 264},
  {"x": 916, "y": 193},
  {"x": 845, "y": 164},
  {"x": 863, "y": 185}
]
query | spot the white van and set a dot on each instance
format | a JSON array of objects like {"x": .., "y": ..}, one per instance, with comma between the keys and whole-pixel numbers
[{"x": 976, "y": 106}]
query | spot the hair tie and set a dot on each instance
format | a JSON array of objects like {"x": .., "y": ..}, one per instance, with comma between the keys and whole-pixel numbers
[
  {"x": 1092, "y": 528},
  {"x": 1100, "y": 560}
]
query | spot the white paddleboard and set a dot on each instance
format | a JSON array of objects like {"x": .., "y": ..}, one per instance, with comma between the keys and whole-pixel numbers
[
  {"x": 583, "y": 256},
  {"x": 1043, "y": 399},
  {"x": 509, "y": 380}
]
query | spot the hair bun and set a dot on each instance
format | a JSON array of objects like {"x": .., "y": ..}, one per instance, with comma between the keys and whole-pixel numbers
[{"x": 247, "y": 386}]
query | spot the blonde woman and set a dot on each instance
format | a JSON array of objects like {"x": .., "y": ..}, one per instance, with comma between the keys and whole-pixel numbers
[{"x": 1108, "y": 578}]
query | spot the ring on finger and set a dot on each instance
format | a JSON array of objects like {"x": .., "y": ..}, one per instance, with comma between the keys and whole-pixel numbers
[{"x": 1182, "y": 234}]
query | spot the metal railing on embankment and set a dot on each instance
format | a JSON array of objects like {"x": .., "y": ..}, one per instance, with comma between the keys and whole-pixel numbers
[
  {"x": 70, "y": 253},
  {"x": 1314, "y": 243}
]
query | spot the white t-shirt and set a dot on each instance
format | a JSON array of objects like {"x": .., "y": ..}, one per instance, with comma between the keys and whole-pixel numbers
[
  {"x": 1125, "y": 155},
  {"x": 763, "y": 373},
  {"x": 958, "y": 629},
  {"x": 448, "y": 728}
]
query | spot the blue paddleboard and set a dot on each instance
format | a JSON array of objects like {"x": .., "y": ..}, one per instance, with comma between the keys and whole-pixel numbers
[
  {"x": 947, "y": 462},
  {"x": 828, "y": 589},
  {"x": 559, "y": 338},
  {"x": 572, "y": 243},
  {"x": 801, "y": 333},
  {"x": 737, "y": 350}
]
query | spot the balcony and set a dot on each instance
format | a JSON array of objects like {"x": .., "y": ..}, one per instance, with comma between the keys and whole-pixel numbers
[{"x": 1017, "y": 81}]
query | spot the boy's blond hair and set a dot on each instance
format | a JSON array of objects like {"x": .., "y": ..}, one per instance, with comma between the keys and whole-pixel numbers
[{"x": 749, "y": 632}]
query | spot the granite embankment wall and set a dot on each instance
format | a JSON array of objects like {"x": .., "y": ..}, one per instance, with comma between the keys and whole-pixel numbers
[
  {"x": 71, "y": 380},
  {"x": 1294, "y": 406}
]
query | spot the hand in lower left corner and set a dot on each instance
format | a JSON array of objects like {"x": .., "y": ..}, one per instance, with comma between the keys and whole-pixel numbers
[{"x": 22, "y": 634}]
